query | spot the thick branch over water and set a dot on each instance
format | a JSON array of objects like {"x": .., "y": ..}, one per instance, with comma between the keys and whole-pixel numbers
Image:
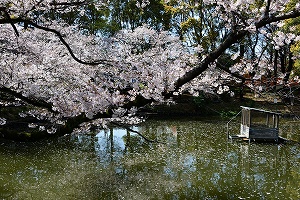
[{"x": 233, "y": 37}]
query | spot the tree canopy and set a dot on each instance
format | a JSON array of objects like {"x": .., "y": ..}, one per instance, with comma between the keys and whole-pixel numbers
[{"x": 98, "y": 61}]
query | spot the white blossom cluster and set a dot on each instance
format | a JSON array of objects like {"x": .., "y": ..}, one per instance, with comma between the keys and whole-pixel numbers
[
  {"x": 143, "y": 4},
  {"x": 42, "y": 68},
  {"x": 2, "y": 121}
]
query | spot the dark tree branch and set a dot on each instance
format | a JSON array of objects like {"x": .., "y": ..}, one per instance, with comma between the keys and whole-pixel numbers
[
  {"x": 61, "y": 38},
  {"x": 232, "y": 38},
  {"x": 33, "y": 101},
  {"x": 226, "y": 69},
  {"x": 271, "y": 19},
  {"x": 58, "y": 34},
  {"x": 11, "y": 23},
  {"x": 211, "y": 57},
  {"x": 75, "y": 121},
  {"x": 65, "y": 44},
  {"x": 267, "y": 11},
  {"x": 77, "y": 3}
]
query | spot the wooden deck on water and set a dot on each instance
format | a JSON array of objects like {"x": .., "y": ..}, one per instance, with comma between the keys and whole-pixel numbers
[
  {"x": 253, "y": 130},
  {"x": 245, "y": 139}
]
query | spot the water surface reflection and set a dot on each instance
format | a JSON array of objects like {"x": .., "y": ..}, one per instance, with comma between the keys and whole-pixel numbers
[{"x": 195, "y": 162}]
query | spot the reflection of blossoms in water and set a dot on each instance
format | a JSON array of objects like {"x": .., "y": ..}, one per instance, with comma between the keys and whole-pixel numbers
[
  {"x": 115, "y": 164},
  {"x": 112, "y": 144},
  {"x": 2, "y": 121}
]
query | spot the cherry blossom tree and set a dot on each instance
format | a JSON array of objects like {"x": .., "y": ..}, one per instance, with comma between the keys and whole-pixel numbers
[{"x": 73, "y": 78}]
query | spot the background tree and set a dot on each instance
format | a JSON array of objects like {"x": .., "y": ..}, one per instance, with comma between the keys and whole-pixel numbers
[
  {"x": 292, "y": 48},
  {"x": 132, "y": 14}
]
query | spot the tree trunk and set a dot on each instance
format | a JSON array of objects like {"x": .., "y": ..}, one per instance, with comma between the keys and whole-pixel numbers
[
  {"x": 290, "y": 65},
  {"x": 282, "y": 60}
]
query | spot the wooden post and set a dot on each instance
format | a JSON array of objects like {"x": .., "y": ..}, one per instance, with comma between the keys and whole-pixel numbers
[{"x": 277, "y": 121}]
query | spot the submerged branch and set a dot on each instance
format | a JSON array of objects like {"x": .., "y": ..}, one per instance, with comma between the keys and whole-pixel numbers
[{"x": 137, "y": 132}]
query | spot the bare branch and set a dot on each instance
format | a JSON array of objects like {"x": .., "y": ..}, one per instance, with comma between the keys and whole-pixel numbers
[
  {"x": 137, "y": 132},
  {"x": 78, "y": 3}
]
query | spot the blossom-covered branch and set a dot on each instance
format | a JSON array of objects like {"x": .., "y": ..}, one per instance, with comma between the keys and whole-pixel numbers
[
  {"x": 232, "y": 38},
  {"x": 58, "y": 34}
]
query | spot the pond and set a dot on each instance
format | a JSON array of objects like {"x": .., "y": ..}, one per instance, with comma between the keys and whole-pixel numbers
[{"x": 193, "y": 161}]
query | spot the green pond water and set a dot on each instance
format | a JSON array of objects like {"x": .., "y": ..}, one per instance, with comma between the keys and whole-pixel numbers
[{"x": 195, "y": 161}]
